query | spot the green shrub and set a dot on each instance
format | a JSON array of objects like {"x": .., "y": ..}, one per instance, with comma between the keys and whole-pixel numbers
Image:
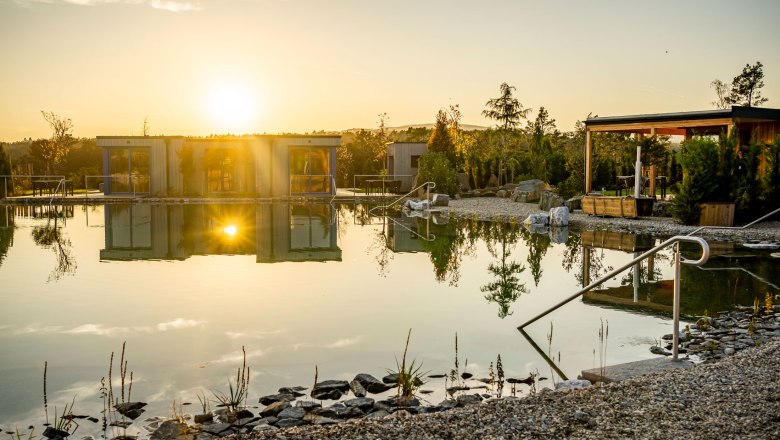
[
  {"x": 435, "y": 167},
  {"x": 700, "y": 161}
]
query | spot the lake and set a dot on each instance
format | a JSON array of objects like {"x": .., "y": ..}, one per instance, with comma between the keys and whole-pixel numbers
[{"x": 317, "y": 285}]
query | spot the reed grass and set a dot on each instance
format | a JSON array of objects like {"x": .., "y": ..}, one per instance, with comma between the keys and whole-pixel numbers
[
  {"x": 409, "y": 376},
  {"x": 237, "y": 394}
]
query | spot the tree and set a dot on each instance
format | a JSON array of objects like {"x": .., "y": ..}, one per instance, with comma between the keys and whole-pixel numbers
[
  {"x": 435, "y": 167},
  {"x": 722, "y": 90},
  {"x": 61, "y": 139},
  {"x": 5, "y": 170},
  {"x": 541, "y": 145},
  {"x": 745, "y": 89},
  {"x": 440, "y": 140},
  {"x": 507, "y": 111}
]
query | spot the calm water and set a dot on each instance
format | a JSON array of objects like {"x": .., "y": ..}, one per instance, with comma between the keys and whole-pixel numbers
[{"x": 314, "y": 285}]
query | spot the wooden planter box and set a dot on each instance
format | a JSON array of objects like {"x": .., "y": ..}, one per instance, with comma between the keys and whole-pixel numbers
[
  {"x": 619, "y": 241},
  {"x": 609, "y": 206},
  {"x": 716, "y": 214}
]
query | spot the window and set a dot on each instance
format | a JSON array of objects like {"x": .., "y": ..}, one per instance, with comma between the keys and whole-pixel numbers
[
  {"x": 220, "y": 169},
  {"x": 415, "y": 161},
  {"x": 310, "y": 170},
  {"x": 129, "y": 170}
]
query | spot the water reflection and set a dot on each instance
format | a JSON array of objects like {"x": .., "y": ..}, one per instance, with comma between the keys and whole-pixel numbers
[
  {"x": 274, "y": 233},
  {"x": 6, "y": 231},
  {"x": 51, "y": 236}
]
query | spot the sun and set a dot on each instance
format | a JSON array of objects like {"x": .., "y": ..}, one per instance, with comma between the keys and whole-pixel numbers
[{"x": 232, "y": 107}]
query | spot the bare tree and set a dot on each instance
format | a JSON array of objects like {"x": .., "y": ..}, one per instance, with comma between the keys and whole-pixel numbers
[
  {"x": 722, "y": 90},
  {"x": 60, "y": 142},
  {"x": 146, "y": 126}
]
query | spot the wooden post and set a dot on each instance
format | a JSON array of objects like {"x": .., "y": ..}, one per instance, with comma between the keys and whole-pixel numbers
[
  {"x": 588, "y": 160},
  {"x": 652, "y": 169}
]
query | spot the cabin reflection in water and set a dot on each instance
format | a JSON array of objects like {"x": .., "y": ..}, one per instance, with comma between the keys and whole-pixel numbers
[{"x": 272, "y": 232}]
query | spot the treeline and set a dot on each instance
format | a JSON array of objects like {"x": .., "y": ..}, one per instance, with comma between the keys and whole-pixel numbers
[{"x": 27, "y": 157}]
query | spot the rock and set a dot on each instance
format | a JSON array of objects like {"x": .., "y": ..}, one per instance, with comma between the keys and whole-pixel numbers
[
  {"x": 728, "y": 351},
  {"x": 329, "y": 389},
  {"x": 364, "y": 403},
  {"x": 321, "y": 421},
  {"x": 127, "y": 406},
  {"x": 351, "y": 412},
  {"x": 268, "y": 420},
  {"x": 53, "y": 433},
  {"x": 659, "y": 351},
  {"x": 501, "y": 194},
  {"x": 374, "y": 385},
  {"x": 289, "y": 423},
  {"x": 325, "y": 412},
  {"x": 440, "y": 200},
  {"x": 492, "y": 181},
  {"x": 292, "y": 413},
  {"x": 487, "y": 193},
  {"x": 463, "y": 182},
  {"x": 573, "y": 203},
  {"x": 273, "y": 398},
  {"x": 559, "y": 216},
  {"x": 532, "y": 189},
  {"x": 662, "y": 209},
  {"x": 307, "y": 405},
  {"x": 549, "y": 200},
  {"x": 448, "y": 404},
  {"x": 378, "y": 414},
  {"x": 541, "y": 219},
  {"x": 244, "y": 414},
  {"x": 468, "y": 399},
  {"x": 218, "y": 429},
  {"x": 568, "y": 385},
  {"x": 274, "y": 409},
  {"x": 171, "y": 429},
  {"x": 264, "y": 427},
  {"x": 519, "y": 196},
  {"x": 204, "y": 418},
  {"x": 295, "y": 391}
]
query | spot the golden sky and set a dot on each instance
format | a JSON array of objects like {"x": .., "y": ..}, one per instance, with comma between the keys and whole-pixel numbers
[{"x": 255, "y": 66}]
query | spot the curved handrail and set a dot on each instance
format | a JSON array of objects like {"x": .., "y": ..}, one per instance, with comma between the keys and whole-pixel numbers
[
  {"x": 430, "y": 185},
  {"x": 61, "y": 182},
  {"x": 705, "y": 255}
]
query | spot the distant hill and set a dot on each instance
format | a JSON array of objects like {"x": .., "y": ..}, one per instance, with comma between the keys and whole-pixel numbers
[{"x": 467, "y": 127}]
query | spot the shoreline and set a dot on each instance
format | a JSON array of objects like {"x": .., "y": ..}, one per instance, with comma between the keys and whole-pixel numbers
[
  {"x": 502, "y": 209},
  {"x": 737, "y": 397}
]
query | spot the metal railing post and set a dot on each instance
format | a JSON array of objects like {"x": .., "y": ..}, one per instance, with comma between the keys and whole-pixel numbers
[{"x": 676, "y": 308}]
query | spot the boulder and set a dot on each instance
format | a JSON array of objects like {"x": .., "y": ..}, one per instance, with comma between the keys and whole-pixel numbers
[
  {"x": 295, "y": 391},
  {"x": 357, "y": 389},
  {"x": 487, "y": 193},
  {"x": 171, "y": 429},
  {"x": 519, "y": 196},
  {"x": 574, "y": 203},
  {"x": 559, "y": 235},
  {"x": 273, "y": 398},
  {"x": 502, "y": 194},
  {"x": 559, "y": 216},
  {"x": 372, "y": 384},
  {"x": 662, "y": 209},
  {"x": 53, "y": 433},
  {"x": 392, "y": 378},
  {"x": 533, "y": 189},
  {"x": 274, "y": 409},
  {"x": 293, "y": 412},
  {"x": 493, "y": 181},
  {"x": 549, "y": 200},
  {"x": 440, "y": 200},
  {"x": 541, "y": 219},
  {"x": 307, "y": 405},
  {"x": 364, "y": 403}
]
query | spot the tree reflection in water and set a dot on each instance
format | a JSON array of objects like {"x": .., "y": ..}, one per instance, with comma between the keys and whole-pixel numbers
[
  {"x": 50, "y": 236},
  {"x": 507, "y": 286},
  {"x": 6, "y": 231}
]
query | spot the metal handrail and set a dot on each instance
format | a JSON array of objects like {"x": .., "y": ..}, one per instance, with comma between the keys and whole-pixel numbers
[
  {"x": 762, "y": 218},
  {"x": 428, "y": 186},
  {"x": 705, "y": 255},
  {"x": 61, "y": 182}
]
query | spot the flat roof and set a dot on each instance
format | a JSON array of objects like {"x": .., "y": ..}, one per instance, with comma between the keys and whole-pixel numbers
[
  {"x": 734, "y": 113},
  {"x": 227, "y": 137}
]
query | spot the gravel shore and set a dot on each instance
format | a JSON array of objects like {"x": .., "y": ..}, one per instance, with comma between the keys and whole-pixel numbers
[
  {"x": 494, "y": 208},
  {"x": 736, "y": 397}
]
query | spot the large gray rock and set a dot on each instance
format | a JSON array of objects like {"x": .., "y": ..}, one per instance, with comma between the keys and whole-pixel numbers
[
  {"x": 574, "y": 203},
  {"x": 274, "y": 408},
  {"x": 329, "y": 389},
  {"x": 550, "y": 200},
  {"x": 364, "y": 403},
  {"x": 493, "y": 181},
  {"x": 293, "y": 412},
  {"x": 531, "y": 188},
  {"x": 559, "y": 235},
  {"x": 559, "y": 216},
  {"x": 540, "y": 219},
  {"x": 170, "y": 430},
  {"x": 267, "y": 400},
  {"x": 568, "y": 385},
  {"x": 440, "y": 200},
  {"x": 372, "y": 384}
]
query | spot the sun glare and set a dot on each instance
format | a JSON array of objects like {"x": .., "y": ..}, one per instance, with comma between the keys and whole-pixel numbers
[
  {"x": 232, "y": 107},
  {"x": 230, "y": 230}
]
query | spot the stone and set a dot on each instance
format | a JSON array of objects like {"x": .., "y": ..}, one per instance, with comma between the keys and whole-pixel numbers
[
  {"x": 549, "y": 200},
  {"x": 293, "y": 412},
  {"x": 326, "y": 394},
  {"x": 330, "y": 389},
  {"x": 728, "y": 351},
  {"x": 559, "y": 235},
  {"x": 559, "y": 216},
  {"x": 487, "y": 193},
  {"x": 295, "y": 391},
  {"x": 265, "y": 427},
  {"x": 541, "y": 219},
  {"x": 307, "y": 405},
  {"x": 244, "y": 414},
  {"x": 573, "y": 203},
  {"x": 218, "y": 429},
  {"x": 322, "y": 421},
  {"x": 53, "y": 433},
  {"x": 171, "y": 429},
  {"x": 289, "y": 423},
  {"x": 273, "y": 398},
  {"x": 440, "y": 200},
  {"x": 374, "y": 385},
  {"x": 380, "y": 414},
  {"x": 532, "y": 189},
  {"x": 268, "y": 420},
  {"x": 364, "y": 403},
  {"x": 122, "y": 408},
  {"x": 492, "y": 181},
  {"x": 519, "y": 196},
  {"x": 468, "y": 399},
  {"x": 274, "y": 409},
  {"x": 133, "y": 414},
  {"x": 204, "y": 418},
  {"x": 568, "y": 385},
  {"x": 502, "y": 194},
  {"x": 659, "y": 351}
]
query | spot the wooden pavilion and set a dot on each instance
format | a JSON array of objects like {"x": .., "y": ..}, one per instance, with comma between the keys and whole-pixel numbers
[{"x": 762, "y": 124}]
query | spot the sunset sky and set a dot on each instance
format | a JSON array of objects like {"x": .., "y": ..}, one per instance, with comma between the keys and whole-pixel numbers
[{"x": 255, "y": 66}]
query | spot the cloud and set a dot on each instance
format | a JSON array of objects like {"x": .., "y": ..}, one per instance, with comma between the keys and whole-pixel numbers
[
  {"x": 346, "y": 342},
  {"x": 100, "y": 330},
  {"x": 164, "y": 5},
  {"x": 257, "y": 334},
  {"x": 179, "y": 323}
]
